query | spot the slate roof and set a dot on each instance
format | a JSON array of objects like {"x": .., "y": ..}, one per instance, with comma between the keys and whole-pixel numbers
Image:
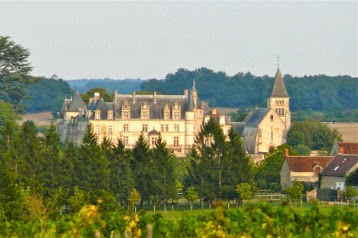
[
  {"x": 156, "y": 109},
  {"x": 76, "y": 104},
  {"x": 340, "y": 165},
  {"x": 279, "y": 88},
  {"x": 256, "y": 116},
  {"x": 307, "y": 163}
]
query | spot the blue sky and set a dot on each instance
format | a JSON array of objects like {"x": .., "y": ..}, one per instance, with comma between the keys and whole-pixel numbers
[{"x": 150, "y": 39}]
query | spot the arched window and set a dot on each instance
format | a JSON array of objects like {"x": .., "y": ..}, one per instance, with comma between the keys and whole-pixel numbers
[
  {"x": 276, "y": 102},
  {"x": 271, "y": 118},
  {"x": 282, "y": 111}
]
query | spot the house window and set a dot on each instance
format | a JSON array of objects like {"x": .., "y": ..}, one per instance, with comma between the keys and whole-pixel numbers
[
  {"x": 110, "y": 132},
  {"x": 161, "y": 127},
  {"x": 98, "y": 130},
  {"x": 110, "y": 115},
  {"x": 271, "y": 118},
  {"x": 176, "y": 141},
  {"x": 125, "y": 127},
  {"x": 176, "y": 128},
  {"x": 125, "y": 140},
  {"x": 145, "y": 127},
  {"x": 167, "y": 127}
]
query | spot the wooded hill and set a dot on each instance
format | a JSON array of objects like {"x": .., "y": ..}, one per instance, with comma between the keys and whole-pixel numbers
[
  {"x": 318, "y": 92},
  {"x": 335, "y": 96}
]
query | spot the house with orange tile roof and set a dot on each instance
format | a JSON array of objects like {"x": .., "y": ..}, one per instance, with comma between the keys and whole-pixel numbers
[{"x": 302, "y": 168}]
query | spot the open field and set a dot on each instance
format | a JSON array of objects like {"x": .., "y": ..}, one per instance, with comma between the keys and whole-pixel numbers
[
  {"x": 349, "y": 131},
  {"x": 40, "y": 119}
]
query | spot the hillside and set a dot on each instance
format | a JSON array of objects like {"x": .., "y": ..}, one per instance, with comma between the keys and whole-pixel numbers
[
  {"x": 123, "y": 86},
  {"x": 317, "y": 93}
]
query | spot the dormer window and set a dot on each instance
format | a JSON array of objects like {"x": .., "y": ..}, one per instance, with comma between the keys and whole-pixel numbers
[
  {"x": 144, "y": 113},
  {"x": 126, "y": 110},
  {"x": 98, "y": 114},
  {"x": 176, "y": 111},
  {"x": 110, "y": 114},
  {"x": 166, "y": 112}
]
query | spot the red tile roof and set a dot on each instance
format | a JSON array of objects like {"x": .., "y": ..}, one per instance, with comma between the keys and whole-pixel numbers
[
  {"x": 348, "y": 148},
  {"x": 307, "y": 163}
]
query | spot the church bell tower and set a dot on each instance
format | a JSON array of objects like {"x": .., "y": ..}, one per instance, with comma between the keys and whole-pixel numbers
[{"x": 279, "y": 99}]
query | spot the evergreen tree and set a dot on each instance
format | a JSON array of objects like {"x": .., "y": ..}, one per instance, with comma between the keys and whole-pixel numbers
[
  {"x": 210, "y": 161},
  {"x": 239, "y": 167},
  {"x": 29, "y": 157},
  {"x": 143, "y": 168},
  {"x": 92, "y": 166},
  {"x": 122, "y": 180},
  {"x": 165, "y": 179},
  {"x": 50, "y": 175}
]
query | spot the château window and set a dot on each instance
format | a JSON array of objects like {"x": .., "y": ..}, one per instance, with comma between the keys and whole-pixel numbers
[
  {"x": 176, "y": 115},
  {"x": 98, "y": 131},
  {"x": 97, "y": 115},
  {"x": 166, "y": 115},
  {"x": 125, "y": 140},
  {"x": 110, "y": 115},
  {"x": 110, "y": 132},
  {"x": 125, "y": 127},
  {"x": 125, "y": 115},
  {"x": 176, "y": 128},
  {"x": 144, "y": 127},
  {"x": 176, "y": 141},
  {"x": 154, "y": 139},
  {"x": 145, "y": 115}
]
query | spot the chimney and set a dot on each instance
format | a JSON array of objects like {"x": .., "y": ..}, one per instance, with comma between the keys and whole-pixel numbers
[
  {"x": 341, "y": 150},
  {"x": 287, "y": 153},
  {"x": 133, "y": 97},
  {"x": 96, "y": 96},
  {"x": 213, "y": 111},
  {"x": 186, "y": 92},
  {"x": 155, "y": 97}
]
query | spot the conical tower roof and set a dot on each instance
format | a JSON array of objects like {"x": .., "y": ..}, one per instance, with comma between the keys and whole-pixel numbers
[
  {"x": 279, "y": 88},
  {"x": 76, "y": 104}
]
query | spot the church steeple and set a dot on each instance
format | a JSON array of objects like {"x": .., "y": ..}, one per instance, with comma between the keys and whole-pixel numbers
[
  {"x": 279, "y": 88},
  {"x": 279, "y": 99}
]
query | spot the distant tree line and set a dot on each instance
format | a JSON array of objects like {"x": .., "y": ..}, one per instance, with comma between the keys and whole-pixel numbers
[{"x": 244, "y": 90}]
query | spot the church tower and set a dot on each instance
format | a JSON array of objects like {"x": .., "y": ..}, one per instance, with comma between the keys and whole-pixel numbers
[{"x": 279, "y": 100}]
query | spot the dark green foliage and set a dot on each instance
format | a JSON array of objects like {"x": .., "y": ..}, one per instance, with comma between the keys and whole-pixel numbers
[
  {"x": 313, "y": 134},
  {"x": 143, "y": 169},
  {"x": 352, "y": 178},
  {"x": 335, "y": 94},
  {"x": 14, "y": 70},
  {"x": 123, "y": 86},
  {"x": 122, "y": 180},
  {"x": 103, "y": 94},
  {"x": 217, "y": 165},
  {"x": 92, "y": 166},
  {"x": 165, "y": 179},
  {"x": 43, "y": 94}
]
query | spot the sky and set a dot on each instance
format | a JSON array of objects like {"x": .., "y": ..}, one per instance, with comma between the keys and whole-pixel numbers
[{"x": 119, "y": 40}]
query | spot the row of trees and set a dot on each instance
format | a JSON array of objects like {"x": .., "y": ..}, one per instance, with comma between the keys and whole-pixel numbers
[
  {"x": 55, "y": 175},
  {"x": 318, "y": 92}
]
